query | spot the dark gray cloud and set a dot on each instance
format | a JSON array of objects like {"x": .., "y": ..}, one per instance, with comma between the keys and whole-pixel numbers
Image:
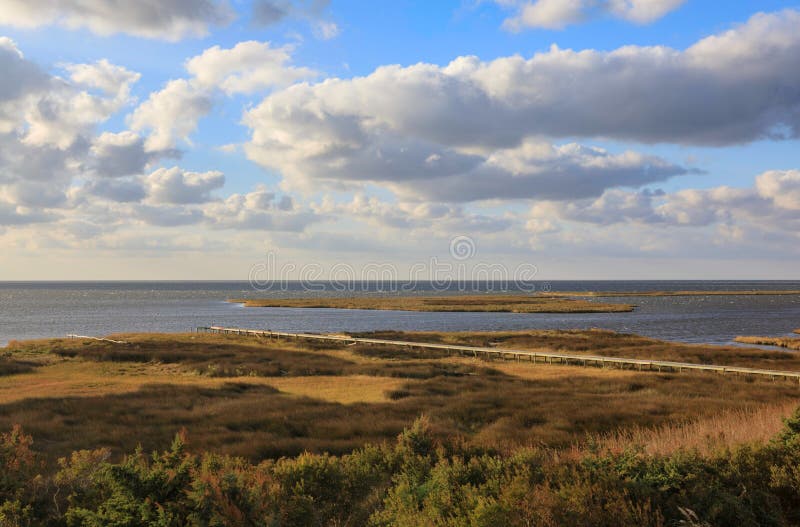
[
  {"x": 163, "y": 19},
  {"x": 427, "y": 171},
  {"x": 271, "y": 12},
  {"x": 267, "y": 12},
  {"x": 119, "y": 190},
  {"x": 123, "y": 154},
  {"x": 20, "y": 76},
  {"x": 564, "y": 172}
]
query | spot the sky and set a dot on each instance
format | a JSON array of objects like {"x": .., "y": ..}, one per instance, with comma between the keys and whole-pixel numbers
[{"x": 569, "y": 139}]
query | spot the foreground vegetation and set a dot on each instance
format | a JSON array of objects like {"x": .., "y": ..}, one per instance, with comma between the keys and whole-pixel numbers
[
  {"x": 418, "y": 480},
  {"x": 512, "y": 303}
]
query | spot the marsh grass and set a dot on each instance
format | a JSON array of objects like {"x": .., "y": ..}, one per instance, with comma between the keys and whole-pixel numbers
[
  {"x": 513, "y": 303},
  {"x": 266, "y": 398},
  {"x": 11, "y": 367}
]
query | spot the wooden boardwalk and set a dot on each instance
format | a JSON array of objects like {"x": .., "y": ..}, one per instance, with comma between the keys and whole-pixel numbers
[{"x": 523, "y": 355}]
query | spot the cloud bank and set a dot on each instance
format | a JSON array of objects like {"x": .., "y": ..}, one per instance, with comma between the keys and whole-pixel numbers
[{"x": 475, "y": 130}]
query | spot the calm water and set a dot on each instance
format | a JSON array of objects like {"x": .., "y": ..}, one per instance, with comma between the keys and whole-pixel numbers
[{"x": 53, "y": 309}]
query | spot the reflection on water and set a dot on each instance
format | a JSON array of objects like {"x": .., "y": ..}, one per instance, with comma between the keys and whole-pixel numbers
[{"x": 33, "y": 310}]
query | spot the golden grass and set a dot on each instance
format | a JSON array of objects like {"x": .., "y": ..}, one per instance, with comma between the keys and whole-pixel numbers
[
  {"x": 94, "y": 379},
  {"x": 490, "y": 303},
  {"x": 707, "y": 435},
  {"x": 86, "y": 379},
  {"x": 782, "y": 342},
  {"x": 348, "y": 389},
  {"x": 542, "y": 372}
]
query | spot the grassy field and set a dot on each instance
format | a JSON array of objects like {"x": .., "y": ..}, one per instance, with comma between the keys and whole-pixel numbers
[
  {"x": 510, "y": 303},
  {"x": 264, "y": 398}
]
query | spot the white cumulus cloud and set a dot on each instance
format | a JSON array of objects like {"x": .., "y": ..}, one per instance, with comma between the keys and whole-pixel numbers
[
  {"x": 557, "y": 14},
  {"x": 171, "y": 113},
  {"x": 246, "y": 68}
]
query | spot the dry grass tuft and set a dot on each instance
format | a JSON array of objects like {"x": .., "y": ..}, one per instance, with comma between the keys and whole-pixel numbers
[{"x": 707, "y": 435}]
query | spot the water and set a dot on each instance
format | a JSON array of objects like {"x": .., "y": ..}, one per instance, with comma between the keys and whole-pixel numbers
[{"x": 54, "y": 309}]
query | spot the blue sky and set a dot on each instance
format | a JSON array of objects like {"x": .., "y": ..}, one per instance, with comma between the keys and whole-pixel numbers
[{"x": 379, "y": 170}]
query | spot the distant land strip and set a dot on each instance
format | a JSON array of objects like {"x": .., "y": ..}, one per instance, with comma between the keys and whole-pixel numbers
[
  {"x": 602, "y": 294},
  {"x": 792, "y": 343},
  {"x": 512, "y": 303}
]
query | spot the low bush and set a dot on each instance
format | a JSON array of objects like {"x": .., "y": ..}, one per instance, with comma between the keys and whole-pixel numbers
[{"x": 417, "y": 480}]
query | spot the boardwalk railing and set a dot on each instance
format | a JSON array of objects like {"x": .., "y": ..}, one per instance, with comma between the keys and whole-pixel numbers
[
  {"x": 521, "y": 355},
  {"x": 73, "y": 336}
]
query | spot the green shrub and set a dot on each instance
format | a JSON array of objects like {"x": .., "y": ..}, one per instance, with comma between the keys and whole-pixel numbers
[{"x": 419, "y": 480}]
